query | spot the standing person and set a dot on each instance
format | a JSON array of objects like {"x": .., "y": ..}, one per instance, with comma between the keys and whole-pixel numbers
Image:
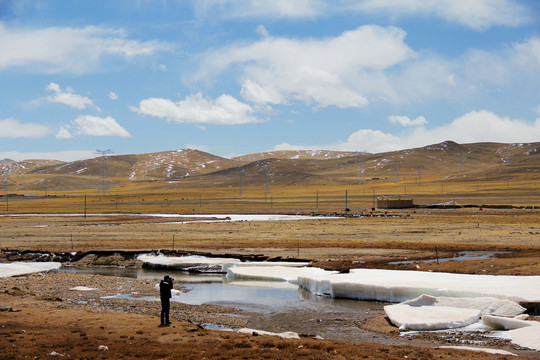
[{"x": 165, "y": 287}]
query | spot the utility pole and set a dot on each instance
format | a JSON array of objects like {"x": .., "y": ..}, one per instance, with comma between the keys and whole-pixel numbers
[{"x": 104, "y": 154}]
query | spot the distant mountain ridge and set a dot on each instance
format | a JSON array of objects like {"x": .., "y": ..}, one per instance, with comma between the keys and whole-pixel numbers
[{"x": 282, "y": 167}]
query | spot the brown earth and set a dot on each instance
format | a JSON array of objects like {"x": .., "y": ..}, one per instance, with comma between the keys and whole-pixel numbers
[{"x": 49, "y": 321}]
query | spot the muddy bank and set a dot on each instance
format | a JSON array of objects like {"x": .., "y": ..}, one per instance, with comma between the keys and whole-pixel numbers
[{"x": 117, "y": 257}]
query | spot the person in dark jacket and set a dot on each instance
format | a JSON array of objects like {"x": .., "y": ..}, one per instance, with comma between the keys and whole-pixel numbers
[{"x": 165, "y": 287}]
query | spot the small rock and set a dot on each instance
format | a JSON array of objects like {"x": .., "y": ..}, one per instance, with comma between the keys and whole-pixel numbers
[{"x": 103, "y": 348}]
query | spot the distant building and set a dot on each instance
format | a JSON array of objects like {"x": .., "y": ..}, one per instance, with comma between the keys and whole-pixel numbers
[{"x": 395, "y": 202}]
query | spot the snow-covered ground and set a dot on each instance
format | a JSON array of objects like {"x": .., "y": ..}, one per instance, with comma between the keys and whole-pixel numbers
[
  {"x": 22, "y": 268},
  {"x": 211, "y": 217}
]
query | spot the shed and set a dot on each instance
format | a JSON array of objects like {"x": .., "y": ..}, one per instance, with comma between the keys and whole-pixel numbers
[{"x": 395, "y": 202}]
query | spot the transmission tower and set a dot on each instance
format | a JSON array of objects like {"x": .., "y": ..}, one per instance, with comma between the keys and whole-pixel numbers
[
  {"x": 240, "y": 174},
  {"x": 460, "y": 163},
  {"x": 266, "y": 179},
  {"x": 5, "y": 174},
  {"x": 360, "y": 168},
  {"x": 419, "y": 168},
  {"x": 104, "y": 154},
  {"x": 396, "y": 167}
]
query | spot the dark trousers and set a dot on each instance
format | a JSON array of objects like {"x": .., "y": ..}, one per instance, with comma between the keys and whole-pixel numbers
[{"x": 165, "y": 308}]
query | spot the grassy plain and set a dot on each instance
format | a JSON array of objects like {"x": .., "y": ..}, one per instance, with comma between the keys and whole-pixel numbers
[{"x": 509, "y": 224}]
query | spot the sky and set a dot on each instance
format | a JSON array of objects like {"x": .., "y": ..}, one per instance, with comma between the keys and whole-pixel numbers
[{"x": 234, "y": 77}]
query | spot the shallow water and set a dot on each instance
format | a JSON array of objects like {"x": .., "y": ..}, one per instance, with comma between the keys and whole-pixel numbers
[
  {"x": 272, "y": 306},
  {"x": 461, "y": 256}
]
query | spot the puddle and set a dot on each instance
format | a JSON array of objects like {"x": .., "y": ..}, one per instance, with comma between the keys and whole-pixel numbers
[{"x": 461, "y": 256}]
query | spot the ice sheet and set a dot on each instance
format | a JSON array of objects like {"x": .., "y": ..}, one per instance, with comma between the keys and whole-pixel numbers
[
  {"x": 487, "y": 305},
  {"x": 274, "y": 273},
  {"x": 22, "y": 268},
  {"x": 407, "y": 317},
  {"x": 398, "y": 285},
  {"x": 204, "y": 264}
]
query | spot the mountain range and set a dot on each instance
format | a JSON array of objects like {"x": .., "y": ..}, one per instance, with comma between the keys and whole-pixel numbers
[{"x": 197, "y": 168}]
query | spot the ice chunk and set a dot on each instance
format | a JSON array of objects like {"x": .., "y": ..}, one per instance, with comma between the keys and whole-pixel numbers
[
  {"x": 487, "y": 305},
  {"x": 505, "y": 323},
  {"x": 274, "y": 273},
  {"x": 524, "y": 337},
  {"x": 486, "y": 350},
  {"x": 408, "y": 317},
  {"x": 22, "y": 268},
  {"x": 285, "y": 335},
  {"x": 83, "y": 288},
  {"x": 401, "y": 285},
  {"x": 187, "y": 263}
]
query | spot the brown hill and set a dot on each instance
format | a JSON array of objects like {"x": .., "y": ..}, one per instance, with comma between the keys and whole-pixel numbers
[
  {"x": 195, "y": 168},
  {"x": 295, "y": 155}
]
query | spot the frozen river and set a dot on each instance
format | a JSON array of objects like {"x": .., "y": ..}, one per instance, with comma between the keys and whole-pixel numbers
[{"x": 272, "y": 306}]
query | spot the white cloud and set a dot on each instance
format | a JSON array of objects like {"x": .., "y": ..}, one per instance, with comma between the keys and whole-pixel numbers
[
  {"x": 406, "y": 121},
  {"x": 475, "y": 126},
  {"x": 278, "y": 70},
  {"x": 68, "y": 97},
  {"x": 260, "y": 8},
  {"x": 15, "y": 129},
  {"x": 476, "y": 14},
  {"x": 225, "y": 110},
  {"x": 64, "y": 133},
  {"x": 92, "y": 126},
  {"x": 67, "y": 49},
  {"x": 60, "y": 155},
  {"x": 113, "y": 96}
]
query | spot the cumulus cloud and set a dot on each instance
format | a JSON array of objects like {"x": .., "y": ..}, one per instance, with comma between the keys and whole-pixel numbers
[
  {"x": 12, "y": 128},
  {"x": 67, "y": 49},
  {"x": 92, "y": 126},
  {"x": 68, "y": 97},
  {"x": 374, "y": 64},
  {"x": 406, "y": 121},
  {"x": 475, "y": 126},
  {"x": 225, "y": 110},
  {"x": 331, "y": 71},
  {"x": 478, "y": 15}
]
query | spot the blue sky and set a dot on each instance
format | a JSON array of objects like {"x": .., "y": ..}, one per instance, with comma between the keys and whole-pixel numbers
[{"x": 234, "y": 77}]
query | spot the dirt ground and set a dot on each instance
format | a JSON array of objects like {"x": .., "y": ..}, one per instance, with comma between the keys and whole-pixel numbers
[{"x": 51, "y": 325}]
